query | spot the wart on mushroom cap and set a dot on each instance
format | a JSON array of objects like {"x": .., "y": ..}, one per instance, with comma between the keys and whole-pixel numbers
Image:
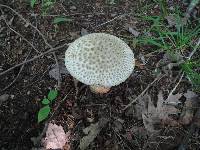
[{"x": 99, "y": 60}]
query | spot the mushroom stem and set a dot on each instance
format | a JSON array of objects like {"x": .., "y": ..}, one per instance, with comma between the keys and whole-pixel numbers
[{"x": 99, "y": 89}]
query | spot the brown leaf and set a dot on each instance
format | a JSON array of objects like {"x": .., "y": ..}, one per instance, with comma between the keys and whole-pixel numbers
[
  {"x": 154, "y": 117},
  {"x": 168, "y": 108},
  {"x": 189, "y": 108},
  {"x": 92, "y": 131}
]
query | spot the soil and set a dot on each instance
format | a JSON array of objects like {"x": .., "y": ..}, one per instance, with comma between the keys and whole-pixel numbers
[{"x": 18, "y": 123}]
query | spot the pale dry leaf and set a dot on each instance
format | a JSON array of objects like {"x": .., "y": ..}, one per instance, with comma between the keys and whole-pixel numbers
[
  {"x": 150, "y": 115},
  {"x": 132, "y": 31},
  {"x": 155, "y": 116},
  {"x": 174, "y": 21},
  {"x": 84, "y": 32},
  {"x": 190, "y": 95},
  {"x": 56, "y": 138},
  {"x": 189, "y": 108},
  {"x": 167, "y": 108},
  {"x": 3, "y": 98},
  {"x": 54, "y": 72},
  {"x": 92, "y": 131}
]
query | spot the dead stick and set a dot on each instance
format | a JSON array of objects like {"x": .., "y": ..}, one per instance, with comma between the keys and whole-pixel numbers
[{"x": 34, "y": 58}]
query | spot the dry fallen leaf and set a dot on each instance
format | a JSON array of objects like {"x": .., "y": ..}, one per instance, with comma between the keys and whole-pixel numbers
[
  {"x": 189, "y": 108},
  {"x": 154, "y": 116},
  {"x": 54, "y": 72},
  {"x": 92, "y": 131},
  {"x": 3, "y": 98},
  {"x": 150, "y": 115},
  {"x": 167, "y": 108},
  {"x": 84, "y": 32},
  {"x": 56, "y": 138},
  {"x": 175, "y": 21}
]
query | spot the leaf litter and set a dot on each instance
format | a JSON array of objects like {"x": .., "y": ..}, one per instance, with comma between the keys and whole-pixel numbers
[
  {"x": 167, "y": 112},
  {"x": 159, "y": 121},
  {"x": 91, "y": 133},
  {"x": 56, "y": 72}
]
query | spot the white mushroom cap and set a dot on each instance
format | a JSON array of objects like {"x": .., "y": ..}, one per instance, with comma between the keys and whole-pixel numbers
[{"x": 99, "y": 59}]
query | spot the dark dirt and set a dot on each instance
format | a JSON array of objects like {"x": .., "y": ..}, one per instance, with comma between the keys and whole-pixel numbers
[{"x": 18, "y": 123}]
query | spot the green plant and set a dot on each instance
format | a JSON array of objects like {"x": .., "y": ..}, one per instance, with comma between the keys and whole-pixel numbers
[
  {"x": 169, "y": 39},
  {"x": 175, "y": 39},
  {"x": 33, "y": 2},
  {"x": 61, "y": 19},
  {"x": 46, "y": 5},
  {"x": 193, "y": 76},
  {"x": 163, "y": 7},
  {"x": 44, "y": 111}
]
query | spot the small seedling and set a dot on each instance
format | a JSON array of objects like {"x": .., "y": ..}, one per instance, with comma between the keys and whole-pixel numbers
[
  {"x": 44, "y": 111},
  {"x": 33, "y": 3},
  {"x": 60, "y": 19},
  {"x": 193, "y": 76},
  {"x": 46, "y": 5}
]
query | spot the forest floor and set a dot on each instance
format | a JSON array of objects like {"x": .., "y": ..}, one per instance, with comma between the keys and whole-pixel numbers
[{"x": 131, "y": 116}]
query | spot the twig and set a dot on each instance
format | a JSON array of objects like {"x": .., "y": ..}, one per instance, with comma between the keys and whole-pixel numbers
[
  {"x": 20, "y": 35},
  {"x": 141, "y": 94},
  {"x": 34, "y": 58},
  {"x": 28, "y": 23},
  {"x": 120, "y": 16},
  {"x": 40, "y": 33}
]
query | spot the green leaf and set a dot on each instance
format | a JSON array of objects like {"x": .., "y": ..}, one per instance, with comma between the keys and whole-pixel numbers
[
  {"x": 47, "y": 4},
  {"x": 52, "y": 95},
  {"x": 45, "y": 101},
  {"x": 43, "y": 113},
  {"x": 61, "y": 19},
  {"x": 33, "y": 3}
]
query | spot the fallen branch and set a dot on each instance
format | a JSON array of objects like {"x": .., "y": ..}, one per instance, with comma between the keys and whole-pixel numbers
[
  {"x": 20, "y": 35},
  {"x": 34, "y": 58},
  {"x": 109, "y": 21}
]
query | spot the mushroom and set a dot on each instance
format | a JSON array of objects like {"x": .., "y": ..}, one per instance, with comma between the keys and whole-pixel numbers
[{"x": 99, "y": 60}]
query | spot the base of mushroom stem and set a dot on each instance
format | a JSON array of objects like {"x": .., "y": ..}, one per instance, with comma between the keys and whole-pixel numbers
[{"x": 99, "y": 89}]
